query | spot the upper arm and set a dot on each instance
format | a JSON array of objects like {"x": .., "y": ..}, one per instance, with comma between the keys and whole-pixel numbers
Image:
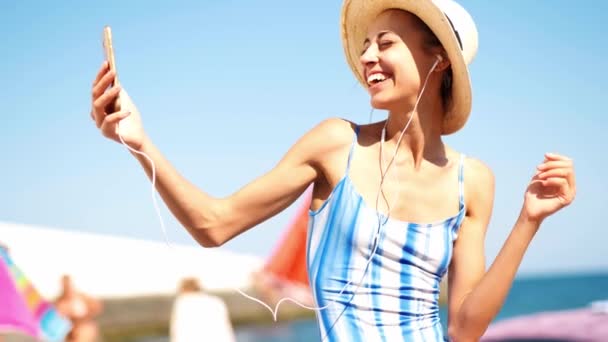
[
  {"x": 282, "y": 185},
  {"x": 468, "y": 260}
]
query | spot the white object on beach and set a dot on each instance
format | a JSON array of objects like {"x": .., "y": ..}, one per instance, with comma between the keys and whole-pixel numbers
[
  {"x": 600, "y": 306},
  {"x": 200, "y": 317},
  {"x": 106, "y": 266}
]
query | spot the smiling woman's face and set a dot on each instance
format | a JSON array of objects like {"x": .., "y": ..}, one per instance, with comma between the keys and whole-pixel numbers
[{"x": 395, "y": 59}]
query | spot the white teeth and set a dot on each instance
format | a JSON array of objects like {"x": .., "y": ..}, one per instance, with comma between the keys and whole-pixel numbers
[{"x": 374, "y": 78}]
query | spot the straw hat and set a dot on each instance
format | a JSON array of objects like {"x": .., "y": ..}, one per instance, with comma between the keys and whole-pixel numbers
[{"x": 452, "y": 25}]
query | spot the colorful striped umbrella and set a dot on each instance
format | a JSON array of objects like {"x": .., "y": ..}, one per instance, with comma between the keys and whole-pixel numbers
[{"x": 23, "y": 309}]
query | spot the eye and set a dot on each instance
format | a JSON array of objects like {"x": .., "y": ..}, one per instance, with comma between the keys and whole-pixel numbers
[{"x": 385, "y": 44}]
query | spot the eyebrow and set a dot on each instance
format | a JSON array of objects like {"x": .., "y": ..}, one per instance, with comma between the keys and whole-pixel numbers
[{"x": 378, "y": 36}]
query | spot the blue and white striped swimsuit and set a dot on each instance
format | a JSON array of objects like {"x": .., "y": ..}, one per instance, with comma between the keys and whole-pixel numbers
[{"x": 398, "y": 298}]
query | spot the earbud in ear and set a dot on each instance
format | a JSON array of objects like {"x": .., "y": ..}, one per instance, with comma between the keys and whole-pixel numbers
[{"x": 440, "y": 58}]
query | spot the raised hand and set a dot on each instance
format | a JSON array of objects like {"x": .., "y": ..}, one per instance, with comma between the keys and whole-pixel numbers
[
  {"x": 126, "y": 122},
  {"x": 552, "y": 187}
]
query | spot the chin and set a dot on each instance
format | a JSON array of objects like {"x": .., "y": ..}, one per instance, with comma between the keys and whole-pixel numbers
[
  {"x": 388, "y": 102},
  {"x": 379, "y": 106},
  {"x": 383, "y": 102}
]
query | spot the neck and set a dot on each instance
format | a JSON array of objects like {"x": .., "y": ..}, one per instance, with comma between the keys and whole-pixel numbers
[{"x": 422, "y": 138}]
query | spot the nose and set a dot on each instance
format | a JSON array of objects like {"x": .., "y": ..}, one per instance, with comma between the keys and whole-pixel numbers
[{"x": 370, "y": 56}]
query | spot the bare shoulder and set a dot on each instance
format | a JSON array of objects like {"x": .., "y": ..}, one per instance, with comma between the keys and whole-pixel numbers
[
  {"x": 479, "y": 185},
  {"x": 478, "y": 172},
  {"x": 323, "y": 138},
  {"x": 328, "y": 145},
  {"x": 331, "y": 136},
  {"x": 336, "y": 131}
]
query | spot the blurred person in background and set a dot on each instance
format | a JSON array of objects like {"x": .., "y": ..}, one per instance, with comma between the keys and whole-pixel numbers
[
  {"x": 199, "y": 316},
  {"x": 81, "y": 309}
]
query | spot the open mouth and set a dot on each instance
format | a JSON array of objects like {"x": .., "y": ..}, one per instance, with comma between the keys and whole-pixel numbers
[{"x": 376, "y": 78}]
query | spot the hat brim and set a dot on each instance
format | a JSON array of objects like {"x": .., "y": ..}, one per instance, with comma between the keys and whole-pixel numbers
[{"x": 356, "y": 17}]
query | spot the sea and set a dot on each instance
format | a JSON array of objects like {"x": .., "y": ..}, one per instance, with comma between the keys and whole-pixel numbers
[{"x": 528, "y": 295}]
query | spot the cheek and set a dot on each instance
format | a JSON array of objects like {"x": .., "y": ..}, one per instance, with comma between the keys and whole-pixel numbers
[{"x": 407, "y": 76}]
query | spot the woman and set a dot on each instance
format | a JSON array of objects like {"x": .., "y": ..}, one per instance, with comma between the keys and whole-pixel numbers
[{"x": 385, "y": 227}]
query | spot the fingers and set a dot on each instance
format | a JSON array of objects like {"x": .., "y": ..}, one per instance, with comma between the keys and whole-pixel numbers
[
  {"x": 102, "y": 71},
  {"x": 556, "y": 172},
  {"x": 114, "y": 118},
  {"x": 100, "y": 87},
  {"x": 562, "y": 189},
  {"x": 554, "y": 164},
  {"x": 109, "y": 122},
  {"x": 566, "y": 173},
  {"x": 102, "y": 102},
  {"x": 555, "y": 156},
  {"x": 554, "y": 181},
  {"x": 100, "y": 97},
  {"x": 555, "y": 161}
]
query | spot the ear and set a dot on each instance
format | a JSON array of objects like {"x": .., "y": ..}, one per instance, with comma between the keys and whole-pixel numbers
[{"x": 444, "y": 62}]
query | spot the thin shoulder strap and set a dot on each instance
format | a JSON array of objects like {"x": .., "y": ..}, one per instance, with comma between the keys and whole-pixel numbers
[
  {"x": 352, "y": 148},
  {"x": 461, "y": 181}
]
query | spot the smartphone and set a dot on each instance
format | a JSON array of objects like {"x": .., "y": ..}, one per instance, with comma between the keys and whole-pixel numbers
[{"x": 109, "y": 55}]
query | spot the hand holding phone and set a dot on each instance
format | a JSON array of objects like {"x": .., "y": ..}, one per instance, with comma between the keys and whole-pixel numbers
[{"x": 113, "y": 111}]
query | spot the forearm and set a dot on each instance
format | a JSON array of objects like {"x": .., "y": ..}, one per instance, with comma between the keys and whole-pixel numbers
[
  {"x": 198, "y": 212},
  {"x": 481, "y": 305}
]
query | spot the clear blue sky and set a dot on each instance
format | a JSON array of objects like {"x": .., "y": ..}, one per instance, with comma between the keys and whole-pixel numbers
[{"x": 225, "y": 87}]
